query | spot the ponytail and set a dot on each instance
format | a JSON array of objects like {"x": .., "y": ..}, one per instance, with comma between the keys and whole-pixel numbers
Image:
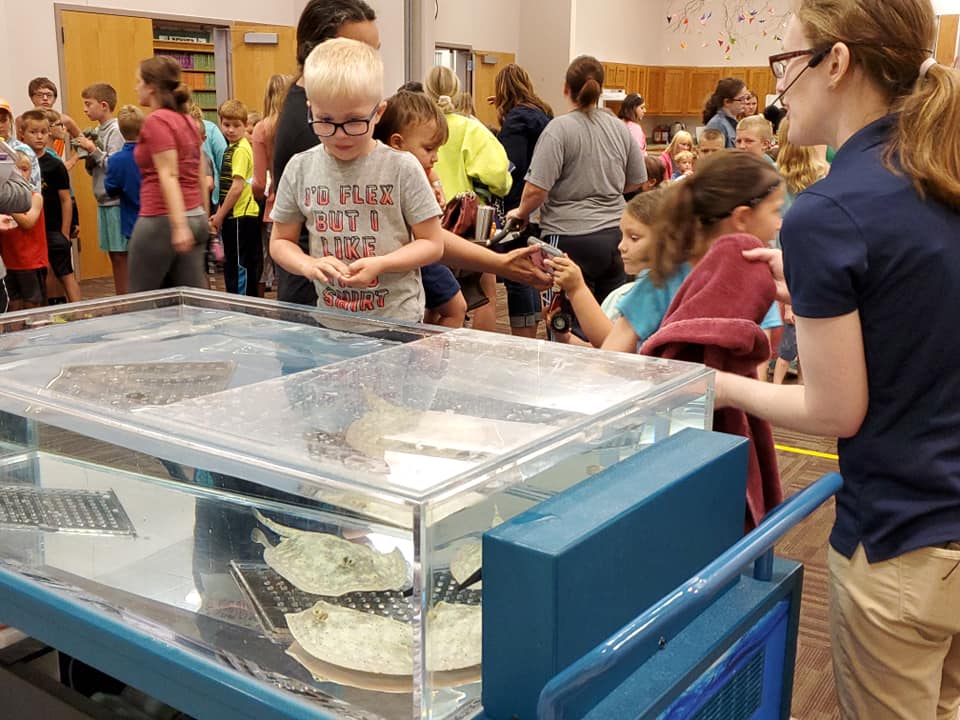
[
  {"x": 442, "y": 86},
  {"x": 924, "y": 150},
  {"x": 585, "y": 81},
  {"x": 727, "y": 89},
  {"x": 723, "y": 181}
]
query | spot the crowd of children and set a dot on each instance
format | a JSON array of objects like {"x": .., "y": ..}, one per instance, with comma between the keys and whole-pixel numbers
[{"x": 370, "y": 226}]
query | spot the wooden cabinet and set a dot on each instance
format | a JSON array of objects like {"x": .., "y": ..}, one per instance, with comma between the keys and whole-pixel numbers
[
  {"x": 703, "y": 81},
  {"x": 680, "y": 91},
  {"x": 676, "y": 81},
  {"x": 637, "y": 80},
  {"x": 655, "y": 84}
]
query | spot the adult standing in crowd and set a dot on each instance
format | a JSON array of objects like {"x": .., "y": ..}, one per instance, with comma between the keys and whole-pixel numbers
[
  {"x": 472, "y": 154},
  {"x": 522, "y": 115},
  {"x": 872, "y": 265},
  {"x": 583, "y": 164},
  {"x": 723, "y": 108},
  {"x": 169, "y": 238}
]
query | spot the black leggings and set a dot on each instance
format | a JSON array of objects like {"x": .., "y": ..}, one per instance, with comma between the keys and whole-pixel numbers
[{"x": 598, "y": 256}]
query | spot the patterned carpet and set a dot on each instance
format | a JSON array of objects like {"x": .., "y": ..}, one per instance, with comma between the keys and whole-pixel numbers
[{"x": 813, "y": 693}]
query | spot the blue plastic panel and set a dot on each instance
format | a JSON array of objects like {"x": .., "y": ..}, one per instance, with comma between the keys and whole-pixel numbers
[{"x": 561, "y": 578}]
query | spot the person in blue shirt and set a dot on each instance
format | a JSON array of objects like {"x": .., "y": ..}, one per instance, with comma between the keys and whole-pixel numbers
[
  {"x": 871, "y": 265},
  {"x": 723, "y": 106},
  {"x": 123, "y": 181}
]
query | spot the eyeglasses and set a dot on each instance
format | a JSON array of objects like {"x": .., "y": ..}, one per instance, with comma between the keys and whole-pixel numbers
[
  {"x": 45, "y": 95},
  {"x": 326, "y": 128},
  {"x": 743, "y": 98},
  {"x": 779, "y": 62}
]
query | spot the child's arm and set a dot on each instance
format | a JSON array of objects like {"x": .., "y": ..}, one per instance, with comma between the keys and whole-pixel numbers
[
  {"x": 66, "y": 208},
  {"x": 285, "y": 251},
  {"x": 425, "y": 249},
  {"x": 27, "y": 220},
  {"x": 227, "y": 203},
  {"x": 593, "y": 321},
  {"x": 622, "y": 337}
]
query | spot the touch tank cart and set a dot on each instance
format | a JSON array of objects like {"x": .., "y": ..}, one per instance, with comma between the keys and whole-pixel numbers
[{"x": 248, "y": 513}]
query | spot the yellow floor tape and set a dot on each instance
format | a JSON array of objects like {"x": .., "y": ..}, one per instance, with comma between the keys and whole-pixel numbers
[{"x": 802, "y": 451}]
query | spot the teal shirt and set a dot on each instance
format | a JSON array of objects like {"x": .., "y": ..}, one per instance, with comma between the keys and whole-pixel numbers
[{"x": 645, "y": 304}]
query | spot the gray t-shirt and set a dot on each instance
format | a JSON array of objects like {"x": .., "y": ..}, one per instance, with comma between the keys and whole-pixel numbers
[
  {"x": 361, "y": 208},
  {"x": 585, "y": 160}
]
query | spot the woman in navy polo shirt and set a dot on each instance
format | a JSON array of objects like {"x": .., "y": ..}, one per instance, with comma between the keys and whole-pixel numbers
[
  {"x": 872, "y": 260},
  {"x": 723, "y": 107}
]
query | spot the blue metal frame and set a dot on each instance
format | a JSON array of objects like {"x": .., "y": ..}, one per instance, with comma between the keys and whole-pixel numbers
[
  {"x": 193, "y": 680},
  {"x": 625, "y": 647}
]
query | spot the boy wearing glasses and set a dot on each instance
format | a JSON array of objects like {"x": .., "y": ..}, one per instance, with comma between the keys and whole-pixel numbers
[
  {"x": 371, "y": 215},
  {"x": 43, "y": 94}
]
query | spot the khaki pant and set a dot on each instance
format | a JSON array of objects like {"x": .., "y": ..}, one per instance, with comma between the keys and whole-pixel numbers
[{"x": 895, "y": 634}]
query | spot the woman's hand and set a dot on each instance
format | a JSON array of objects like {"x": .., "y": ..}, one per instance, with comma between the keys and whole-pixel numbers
[
  {"x": 773, "y": 258},
  {"x": 182, "y": 239},
  {"x": 518, "y": 217},
  {"x": 567, "y": 275}
]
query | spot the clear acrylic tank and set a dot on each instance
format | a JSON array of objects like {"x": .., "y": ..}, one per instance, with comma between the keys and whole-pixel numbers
[{"x": 245, "y": 481}]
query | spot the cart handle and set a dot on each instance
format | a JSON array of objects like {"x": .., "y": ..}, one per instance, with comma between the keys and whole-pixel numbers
[{"x": 691, "y": 596}]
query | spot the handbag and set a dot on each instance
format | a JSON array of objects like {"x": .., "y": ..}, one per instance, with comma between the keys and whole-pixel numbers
[{"x": 460, "y": 218}]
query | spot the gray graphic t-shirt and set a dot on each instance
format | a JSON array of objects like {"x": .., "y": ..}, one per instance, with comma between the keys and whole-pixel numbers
[{"x": 361, "y": 208}]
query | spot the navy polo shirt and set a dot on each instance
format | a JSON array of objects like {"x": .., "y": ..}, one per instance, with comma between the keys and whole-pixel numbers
[
  {"x": 863, "y": 239},
  {"x": 727, "y": 125}
]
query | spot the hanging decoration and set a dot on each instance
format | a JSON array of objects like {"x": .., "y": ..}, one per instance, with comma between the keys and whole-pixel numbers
[{"x": 733, "y": 23}]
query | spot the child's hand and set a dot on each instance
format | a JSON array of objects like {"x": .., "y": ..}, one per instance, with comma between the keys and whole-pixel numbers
[
  {"x": 363, "y": 273},
  {"x": 85, "y": 142},
  {"x": 327, "y": 269},
  {"x": 7, "y": 222},
  {"x": 215, "y": 222},
  {"x": 566, "y": 273}
]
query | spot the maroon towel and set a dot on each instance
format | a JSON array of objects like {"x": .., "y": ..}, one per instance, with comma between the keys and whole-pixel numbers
[{"x": 714, "y": 319}]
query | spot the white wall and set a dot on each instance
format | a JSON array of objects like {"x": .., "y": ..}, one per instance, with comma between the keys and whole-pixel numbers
[
  {"x": 623, "y": 31},
  {"x": 491, "y": 25},
  {"x": 699, "y": 42},
  {"x": 545, "y": 46}
]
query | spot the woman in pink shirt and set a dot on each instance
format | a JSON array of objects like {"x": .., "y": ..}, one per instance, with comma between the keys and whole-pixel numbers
[
  {"x": 631, "y": 112},
  {"x": 170, "y": 236}
]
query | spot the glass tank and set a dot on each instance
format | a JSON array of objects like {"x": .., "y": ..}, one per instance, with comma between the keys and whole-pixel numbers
[{"x": 241, "y": 477}]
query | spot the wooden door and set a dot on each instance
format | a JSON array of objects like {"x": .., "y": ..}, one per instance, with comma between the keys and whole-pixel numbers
[
  {"x": 253, "y": 65},
  {"x": 947, "y": 39},
  {"x": 98, "y": 48},
  {"x": 702, "y": 83},
  {"x": 486, "y": 65},
  {"x": 675, "y": 83}
]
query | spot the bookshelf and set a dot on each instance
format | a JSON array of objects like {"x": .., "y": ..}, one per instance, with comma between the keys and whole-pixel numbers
[{"x": 193, "y": 48}]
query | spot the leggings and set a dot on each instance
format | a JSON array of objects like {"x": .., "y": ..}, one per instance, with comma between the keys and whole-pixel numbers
[{"x": 154, "y": 264}]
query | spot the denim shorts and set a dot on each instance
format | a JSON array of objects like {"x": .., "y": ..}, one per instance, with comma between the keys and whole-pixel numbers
[{"x": 439, "y": 284}]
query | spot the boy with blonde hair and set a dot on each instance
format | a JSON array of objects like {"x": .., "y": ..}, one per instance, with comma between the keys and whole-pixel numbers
[
  {"x": 238, "y": 217},
  {"x": 370, "y": 212},
  {"x": 711, "y": 141},
  {"x": 755, "y": 135}
]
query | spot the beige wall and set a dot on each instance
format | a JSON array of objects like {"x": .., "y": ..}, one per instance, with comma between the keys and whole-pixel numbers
[
  {"x": 490, "y": 25},
  {"x": 624, "y": 31},
  {"x": 544, "y": 48}
]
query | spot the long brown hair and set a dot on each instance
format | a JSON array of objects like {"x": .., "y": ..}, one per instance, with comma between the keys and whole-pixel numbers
[
  {"x": 727, "y": 89},
  {"x": 585, "y": 81},
  {"x": 890, "y": 41},
  {"x": 273, "y": 97},
  {"x": 514, "y": 88},
  {"x": 723, "y": 181},
  {"x": 163, "y": 74}
]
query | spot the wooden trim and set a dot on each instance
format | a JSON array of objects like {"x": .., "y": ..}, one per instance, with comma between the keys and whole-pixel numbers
[{"x": 947, "y": 39}]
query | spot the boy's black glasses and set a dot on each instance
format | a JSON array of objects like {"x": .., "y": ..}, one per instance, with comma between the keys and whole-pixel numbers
[{"x": 326, "y": 128}]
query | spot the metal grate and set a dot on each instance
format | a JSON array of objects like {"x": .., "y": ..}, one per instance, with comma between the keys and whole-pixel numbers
[
  {"x": 273, "y": 597},
  {"x": 60, "y": 510},
  {"x": 740, "y": 697}
]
